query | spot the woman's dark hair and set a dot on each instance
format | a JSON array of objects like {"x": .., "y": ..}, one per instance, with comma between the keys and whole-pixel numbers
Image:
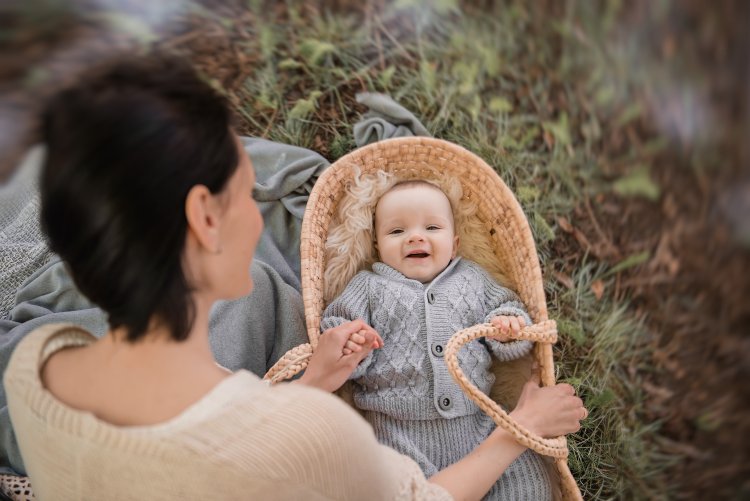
[{"x": 124, "y": 148}]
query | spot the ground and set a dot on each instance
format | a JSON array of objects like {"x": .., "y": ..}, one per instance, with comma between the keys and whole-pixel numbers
[{"x": 622, "y": 128}]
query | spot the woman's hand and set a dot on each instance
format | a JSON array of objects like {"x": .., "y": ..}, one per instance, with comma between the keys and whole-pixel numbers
[
  {"x": 550, "y": 411},
  {"x": 329, "y": 368}
]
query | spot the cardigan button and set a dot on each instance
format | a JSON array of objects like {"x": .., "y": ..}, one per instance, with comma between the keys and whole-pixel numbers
[
  {"x": 431, "y": 298},
  {"x": 437, "y": 349},
  {"x": 445, "y": 402}
]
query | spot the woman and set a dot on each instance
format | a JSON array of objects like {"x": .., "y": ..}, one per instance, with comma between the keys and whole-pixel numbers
[{"x": 146, "y": 195}]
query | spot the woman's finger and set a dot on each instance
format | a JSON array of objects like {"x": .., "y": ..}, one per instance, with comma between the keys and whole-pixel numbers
[
  {"x": 536, "y": 374},
  {"x": 565, "y": 389}
]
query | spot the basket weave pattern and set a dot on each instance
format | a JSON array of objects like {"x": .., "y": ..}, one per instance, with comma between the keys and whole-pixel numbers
[{"x": 505, "y": 227}]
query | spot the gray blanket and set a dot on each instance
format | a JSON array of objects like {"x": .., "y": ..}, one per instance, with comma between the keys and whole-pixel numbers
[{"x": 252, "y": 332}]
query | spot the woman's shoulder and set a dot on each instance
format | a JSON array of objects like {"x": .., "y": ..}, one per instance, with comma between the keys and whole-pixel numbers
[{"x": 33, "y": 350}]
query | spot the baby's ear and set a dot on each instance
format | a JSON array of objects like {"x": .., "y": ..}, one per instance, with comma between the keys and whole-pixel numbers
[{"x": 455, "y": 246}]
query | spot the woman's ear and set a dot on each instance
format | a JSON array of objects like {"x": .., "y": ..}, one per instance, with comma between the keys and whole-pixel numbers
[{"x": 203, "y": 217}]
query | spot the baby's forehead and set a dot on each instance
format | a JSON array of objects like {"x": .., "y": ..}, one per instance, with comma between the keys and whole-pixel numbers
[
  {"x": 410, "y": 187},
  {"x": 412, "y": 194}
]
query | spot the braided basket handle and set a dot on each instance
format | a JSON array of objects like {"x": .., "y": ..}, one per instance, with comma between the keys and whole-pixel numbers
[
  {"x": 293, "y": 362},
  {"x": 543, "y": 332}
]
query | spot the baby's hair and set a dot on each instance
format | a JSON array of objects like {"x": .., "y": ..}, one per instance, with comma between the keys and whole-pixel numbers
[{"x": 350, "y": 245}]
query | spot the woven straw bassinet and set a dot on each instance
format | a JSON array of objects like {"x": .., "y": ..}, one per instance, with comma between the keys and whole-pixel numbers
[{"x": 503, "y": 227}]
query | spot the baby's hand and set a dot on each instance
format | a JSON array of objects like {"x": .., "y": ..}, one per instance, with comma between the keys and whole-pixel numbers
[
  {"x": 356, "y": 343},
  {"x": 507, "y": 324}
]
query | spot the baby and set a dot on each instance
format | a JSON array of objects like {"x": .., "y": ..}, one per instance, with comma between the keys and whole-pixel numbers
[{"x": 417, "y": 297}]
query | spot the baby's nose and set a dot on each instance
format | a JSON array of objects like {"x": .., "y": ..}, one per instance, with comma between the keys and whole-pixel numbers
[{"x": 416, "y": 236}]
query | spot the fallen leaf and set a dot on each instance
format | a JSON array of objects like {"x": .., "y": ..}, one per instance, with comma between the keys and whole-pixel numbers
[
  {"x": 658, "y": 392},
  {"x": 565, "y": 225},
  {"x": 548, "y": 139},
  {"x": 582, "y": 240},
  {"x": 563, "y": 279},
  {"x": 597, "y": 287}
]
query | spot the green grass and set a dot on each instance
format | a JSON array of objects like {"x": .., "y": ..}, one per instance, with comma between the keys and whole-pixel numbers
[{"x": 537, "y": 97}]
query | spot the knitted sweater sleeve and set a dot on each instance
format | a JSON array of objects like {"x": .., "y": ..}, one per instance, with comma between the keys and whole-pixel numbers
[
  {"x": 499, "y": 301},
  {"x": 352, "y": 304}
]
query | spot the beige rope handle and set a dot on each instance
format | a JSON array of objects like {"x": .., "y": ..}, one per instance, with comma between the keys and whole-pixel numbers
[
  {"x": 543, "y": 332},
  {"x": 293, "y": 362}
]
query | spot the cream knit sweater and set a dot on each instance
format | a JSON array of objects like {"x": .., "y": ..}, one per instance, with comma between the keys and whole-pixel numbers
[{"x": 243, "y": 440}]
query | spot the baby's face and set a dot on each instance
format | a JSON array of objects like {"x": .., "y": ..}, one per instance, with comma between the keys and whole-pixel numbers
[{"x": 414, "y": 231}]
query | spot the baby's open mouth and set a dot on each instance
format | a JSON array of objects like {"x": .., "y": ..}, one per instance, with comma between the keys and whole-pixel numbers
[{"x": 417, "y": 254}]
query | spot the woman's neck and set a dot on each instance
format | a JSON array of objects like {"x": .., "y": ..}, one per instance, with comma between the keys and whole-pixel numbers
[
  {"x": 142, "y": 383},
  {"x": 157, "y": 343}
]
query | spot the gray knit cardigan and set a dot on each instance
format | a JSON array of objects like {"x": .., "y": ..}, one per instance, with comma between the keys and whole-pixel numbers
[{"x": 408, "y": 378}]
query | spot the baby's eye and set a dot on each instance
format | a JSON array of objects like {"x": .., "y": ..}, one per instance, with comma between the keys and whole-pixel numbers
[
  {"x": 396, "y": 231},
  {"x": 433, "y": 227}
]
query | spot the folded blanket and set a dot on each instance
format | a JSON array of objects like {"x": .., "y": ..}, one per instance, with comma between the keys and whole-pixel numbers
[{"x": 386, "y": 119}]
